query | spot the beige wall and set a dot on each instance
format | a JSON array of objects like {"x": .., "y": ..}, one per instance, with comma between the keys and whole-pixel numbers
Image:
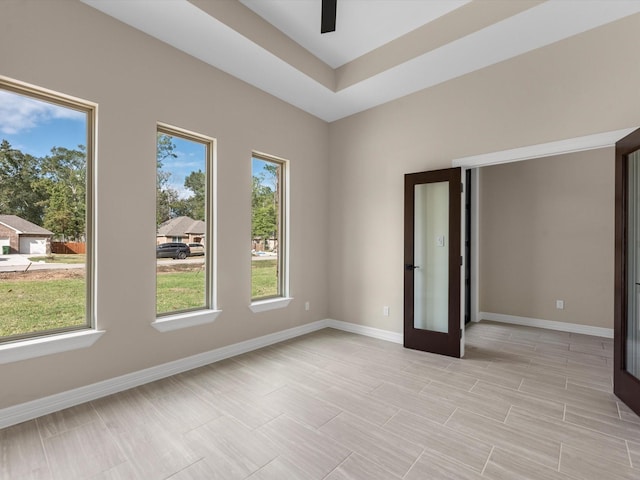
[
  {"x": 137, "y": 81},
  {"x": 579, "y": 86},
  {"x": 546, "y": 233}
]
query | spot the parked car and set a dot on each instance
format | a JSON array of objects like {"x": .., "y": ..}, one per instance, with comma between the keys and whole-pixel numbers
[
  {"x": 196, "y": 249},
  {"x": 173, "y": 250}
]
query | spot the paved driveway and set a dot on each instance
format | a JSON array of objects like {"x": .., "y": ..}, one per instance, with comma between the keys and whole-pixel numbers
[
  {"x": 13, "y": 260},
  {"x": 19, "y": 263}
]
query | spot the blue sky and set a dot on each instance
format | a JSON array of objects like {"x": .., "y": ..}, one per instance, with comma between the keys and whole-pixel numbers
[
  {"x": 35, "y": 127},
  {"x": 257, "y": 167},
  {"x": 191, "y": 157}
]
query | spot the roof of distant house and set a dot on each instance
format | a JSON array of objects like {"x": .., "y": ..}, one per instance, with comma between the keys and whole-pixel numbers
[
  {"x": 181, "y": 227},
  {"x": 22, "y": 226}
]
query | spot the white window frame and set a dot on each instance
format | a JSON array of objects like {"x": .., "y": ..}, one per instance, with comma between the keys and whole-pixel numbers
[
  {"x": 170, "y": 321},
  {"x": 284, "y": 298},
  {"x": 49, "y": 342}
]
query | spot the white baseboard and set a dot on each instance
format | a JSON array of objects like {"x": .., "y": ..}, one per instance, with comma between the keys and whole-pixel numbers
[
  {"x": 53, "y": 403},
  {"x": 548, "y": 324},
  {"x": 366, "y": 331}
]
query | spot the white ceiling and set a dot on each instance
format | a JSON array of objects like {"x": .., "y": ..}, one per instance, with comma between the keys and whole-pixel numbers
[
  {"x": 361, "y": 25},
  {"x": 360, "y": 28}
]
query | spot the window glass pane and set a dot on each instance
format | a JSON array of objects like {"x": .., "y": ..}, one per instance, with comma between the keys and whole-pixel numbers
[
  {"x": 266, "y": 228},
  {"x": 182, "y": 242},
  {"x": 44, "y": 145}
]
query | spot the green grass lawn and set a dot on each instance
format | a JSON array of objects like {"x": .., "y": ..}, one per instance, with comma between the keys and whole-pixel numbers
[
  {"x": 46, "y": 304},
  {"x": 264, "y": 278},
  {"x": 179, "y": 291},
  {"x": 31, "y": 306}
]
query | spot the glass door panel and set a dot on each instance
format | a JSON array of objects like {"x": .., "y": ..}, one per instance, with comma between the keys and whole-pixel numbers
[
  {"x": 632, "y": 339},
  {"x": 431, "y": 257}
]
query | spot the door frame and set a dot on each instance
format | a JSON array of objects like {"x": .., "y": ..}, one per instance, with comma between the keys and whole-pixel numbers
[
  {"x": 529, "y": 152},
  {"x": 625, "y": 386}
]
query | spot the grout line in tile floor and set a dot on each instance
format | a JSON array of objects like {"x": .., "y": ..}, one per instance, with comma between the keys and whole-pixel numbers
[
  {"x": 473, "y": 386},
  {"x": 599, "y": 432},
  {"x": 44, "y": 450},
  {"x": 414, "y": 462},
  {"x": 559, "y": 457},
  {"x": 506, "y": 417},
  {"x": 185, "y": 468},
  {"x": 449, "y": 418},
  {"x": 339, "y": 465},
  {"x": 493, "y": 447}
]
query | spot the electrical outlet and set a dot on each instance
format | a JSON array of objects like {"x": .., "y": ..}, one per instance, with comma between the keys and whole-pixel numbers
[
  {"x": 385, "y": 310},
  {"x": 560, "y": 304},
  {"x": 307, "y": 306}
]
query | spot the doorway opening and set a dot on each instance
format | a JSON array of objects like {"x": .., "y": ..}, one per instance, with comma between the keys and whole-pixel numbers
[
  {"x": 469, "y": 266},
  {"x": 622, "y": 333}
]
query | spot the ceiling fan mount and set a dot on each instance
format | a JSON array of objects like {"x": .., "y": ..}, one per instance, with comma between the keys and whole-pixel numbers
[{"x": 328, "y": 20}]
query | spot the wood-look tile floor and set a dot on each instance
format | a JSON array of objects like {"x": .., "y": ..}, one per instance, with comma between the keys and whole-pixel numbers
[{"x": 524, "y": 403}]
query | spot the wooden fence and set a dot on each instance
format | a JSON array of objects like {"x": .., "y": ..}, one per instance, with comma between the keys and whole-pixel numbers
[{"x": 68, "y": 247}]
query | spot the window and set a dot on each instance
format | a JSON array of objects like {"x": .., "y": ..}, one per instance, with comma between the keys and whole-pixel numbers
[
  {"x": 46, "y": 157},
  {"x": 183, "y": 212},
  {"x": 268, "y": 228}
]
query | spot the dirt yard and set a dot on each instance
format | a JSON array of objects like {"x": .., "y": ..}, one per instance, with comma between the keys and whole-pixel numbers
[{"x": 31, "y": 275}]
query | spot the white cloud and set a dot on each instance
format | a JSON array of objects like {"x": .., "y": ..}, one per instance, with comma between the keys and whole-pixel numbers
[
  {"x": 18, "y": 113},
  {"x": 183, "y": 192},
  {"x": 181, "y": 164}
]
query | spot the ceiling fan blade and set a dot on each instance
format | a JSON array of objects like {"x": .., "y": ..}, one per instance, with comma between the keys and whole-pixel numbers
[{"x": 328, "y": 23}]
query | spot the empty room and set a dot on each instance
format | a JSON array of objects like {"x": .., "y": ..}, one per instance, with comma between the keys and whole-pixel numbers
[{"x": 394, "y": 239}]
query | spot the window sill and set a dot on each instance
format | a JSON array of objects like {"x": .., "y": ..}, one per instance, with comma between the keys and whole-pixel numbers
[
  {"x": 271, "y": 304},
  {"x": 47, "y": 345},
  {"x": 185, "y": 320}
]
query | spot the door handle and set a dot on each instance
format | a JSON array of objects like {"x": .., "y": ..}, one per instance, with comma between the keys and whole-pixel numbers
[{"x": 408, "y": 266}]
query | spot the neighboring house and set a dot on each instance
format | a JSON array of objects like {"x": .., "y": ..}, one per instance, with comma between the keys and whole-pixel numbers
[
  {"x": 181, "y": 229},
  {"x": 22, "y": 236}
]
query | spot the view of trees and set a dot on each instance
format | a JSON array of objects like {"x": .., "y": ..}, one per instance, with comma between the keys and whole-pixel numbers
[
  {"x": 166, "y": 196},
  {"x": 48, "y": 191},
  {"x": 264, "y": 202},
  {"x": 51, "y": 191},
  {"x": 168, "y": 202}
]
